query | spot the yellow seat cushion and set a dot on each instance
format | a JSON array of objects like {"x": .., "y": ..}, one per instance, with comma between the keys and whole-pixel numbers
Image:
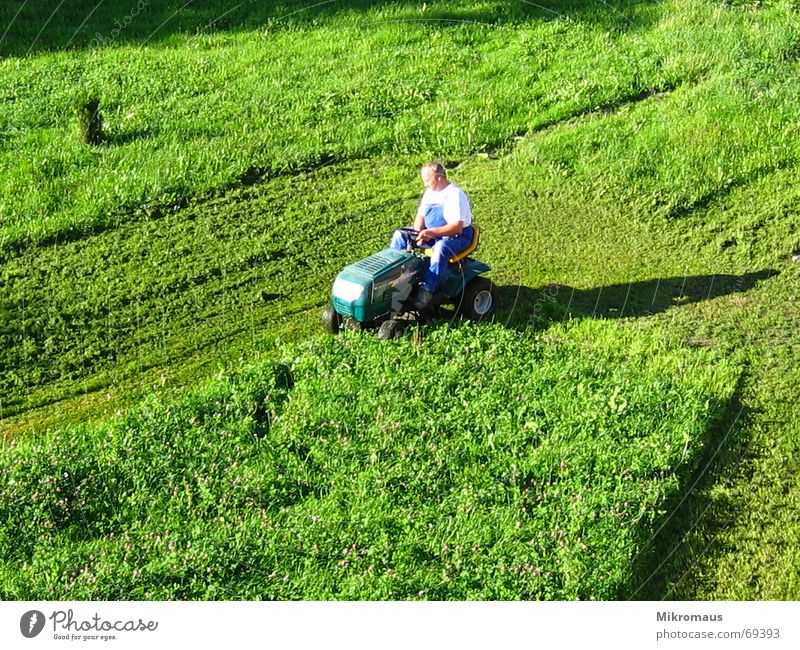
[{"x": 476, "y": 235}]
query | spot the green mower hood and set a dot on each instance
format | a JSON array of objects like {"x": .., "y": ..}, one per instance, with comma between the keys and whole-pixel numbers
[{"x": 373, "y": 287}]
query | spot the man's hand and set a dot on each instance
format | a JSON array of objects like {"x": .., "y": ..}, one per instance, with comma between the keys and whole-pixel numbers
[
  {"x": 427, "y": 234},
  {"x": 423, "y": 236}
]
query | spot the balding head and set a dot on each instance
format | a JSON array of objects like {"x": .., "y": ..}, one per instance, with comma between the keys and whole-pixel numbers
[
  {"x": 436, "y": 168},
  {"x": 434, "y": 176}
]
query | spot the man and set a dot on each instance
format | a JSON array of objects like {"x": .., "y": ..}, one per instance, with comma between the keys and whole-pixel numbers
[{"x": 443, "y": 221}]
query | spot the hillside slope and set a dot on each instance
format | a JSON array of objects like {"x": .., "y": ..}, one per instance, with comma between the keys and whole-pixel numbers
[{"x": 632, "y": 160}]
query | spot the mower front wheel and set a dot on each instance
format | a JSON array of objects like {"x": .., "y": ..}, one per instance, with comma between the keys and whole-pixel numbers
[
  {"x": 331, "y": 320},
  {"x": 391, "y": 329},
  {"x": 479, "y": 300},
  {"x": 352, "y": 325}
]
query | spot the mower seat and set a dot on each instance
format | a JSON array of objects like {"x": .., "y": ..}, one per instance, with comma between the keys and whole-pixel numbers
[{"x": 476, "y": 236}]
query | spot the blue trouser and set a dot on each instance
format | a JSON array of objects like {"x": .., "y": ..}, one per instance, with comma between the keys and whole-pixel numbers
[{"x": 443, "y": 249}]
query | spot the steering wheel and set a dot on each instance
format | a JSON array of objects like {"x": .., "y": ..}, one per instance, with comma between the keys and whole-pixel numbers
[{"x": 412, "y": 235}]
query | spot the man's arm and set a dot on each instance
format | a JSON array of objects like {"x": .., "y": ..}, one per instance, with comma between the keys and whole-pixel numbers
[{"x": 419, "y": 221}]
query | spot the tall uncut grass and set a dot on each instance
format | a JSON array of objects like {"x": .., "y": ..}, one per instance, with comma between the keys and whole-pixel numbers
[
  {"x": 478, "y": 465},
  {"x": 206, "y": 110}
]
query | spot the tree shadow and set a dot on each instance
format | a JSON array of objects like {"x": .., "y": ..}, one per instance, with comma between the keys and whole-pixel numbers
[
  {"x": 36, "y": 27},
  {"x": 522, "y": 307},
  {"x": 662, "y": 568},
  {"x": 126, "y": 137}
]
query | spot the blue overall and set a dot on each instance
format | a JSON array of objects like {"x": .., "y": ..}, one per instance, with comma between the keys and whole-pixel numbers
[{"x": 443, "y": 247}]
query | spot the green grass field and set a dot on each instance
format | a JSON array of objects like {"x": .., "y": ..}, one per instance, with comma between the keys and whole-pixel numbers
[
  {"x": 543, "y": 474},
  {"x": 633, "y": 161}
]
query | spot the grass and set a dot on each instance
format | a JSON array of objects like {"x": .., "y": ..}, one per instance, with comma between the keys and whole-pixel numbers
[
  {"x": 635, "y": 160},
  {"x": 265, "y": 103},
  {"x": 324, "y": 476}
]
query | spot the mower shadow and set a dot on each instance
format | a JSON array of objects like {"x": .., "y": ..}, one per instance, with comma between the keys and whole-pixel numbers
[{"x": 521, "y": 307}]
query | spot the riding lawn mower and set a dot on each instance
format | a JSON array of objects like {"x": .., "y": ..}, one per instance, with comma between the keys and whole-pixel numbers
[{"x": 379, "y": 291}]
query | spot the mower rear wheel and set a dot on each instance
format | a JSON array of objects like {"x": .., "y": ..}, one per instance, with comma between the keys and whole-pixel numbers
[
  {"x": 479, "y": 299},
  {"x": 331, "y": 320}
]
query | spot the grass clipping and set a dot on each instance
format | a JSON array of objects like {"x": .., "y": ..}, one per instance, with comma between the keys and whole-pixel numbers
[{"x": 479, "y": 464}]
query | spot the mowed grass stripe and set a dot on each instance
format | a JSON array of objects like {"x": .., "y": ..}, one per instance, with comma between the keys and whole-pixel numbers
[
  {"x": 149, "y": 293},
  {"x": 172, "y": 285}
]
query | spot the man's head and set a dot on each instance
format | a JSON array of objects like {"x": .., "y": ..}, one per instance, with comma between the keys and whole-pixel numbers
[{"x": 434, "y": 176}]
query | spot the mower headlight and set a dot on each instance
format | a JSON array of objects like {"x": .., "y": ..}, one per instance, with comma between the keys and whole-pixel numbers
[{"x": 347, "y": 291}]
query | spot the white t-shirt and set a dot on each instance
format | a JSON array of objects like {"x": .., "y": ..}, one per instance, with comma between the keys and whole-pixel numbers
[{"x": 451, "y": 203}]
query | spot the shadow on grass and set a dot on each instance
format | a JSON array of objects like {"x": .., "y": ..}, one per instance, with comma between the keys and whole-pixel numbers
[
  {"x": 522, "y": 307},
  {"x": 663, "y": 568},
  {"x": 126, "y": 137},
  {"x": 36, "y": 27}
]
